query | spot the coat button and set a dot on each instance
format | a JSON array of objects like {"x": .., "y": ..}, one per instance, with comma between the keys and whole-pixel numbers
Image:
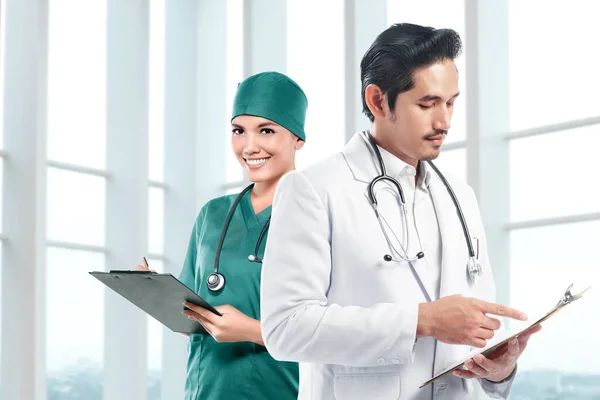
[
  {"x": 396, "y": 361},
  {"x": 442, "y": 386},
  {"x": 381, "y": 360}
]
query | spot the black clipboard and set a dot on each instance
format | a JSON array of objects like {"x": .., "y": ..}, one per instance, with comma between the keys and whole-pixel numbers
[{"x": 159, "y": 295}]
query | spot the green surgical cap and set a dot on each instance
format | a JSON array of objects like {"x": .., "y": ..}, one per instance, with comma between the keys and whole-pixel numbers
[{"x": 273, "y": 96}]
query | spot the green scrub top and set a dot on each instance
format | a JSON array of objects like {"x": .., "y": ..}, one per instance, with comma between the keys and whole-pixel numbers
[{"x": 232, "y": 371}]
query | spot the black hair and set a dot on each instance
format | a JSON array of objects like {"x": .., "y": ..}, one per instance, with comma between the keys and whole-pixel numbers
[{"x": 397, "y": 52}]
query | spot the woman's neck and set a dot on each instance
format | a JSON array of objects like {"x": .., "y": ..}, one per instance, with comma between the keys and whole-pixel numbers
[{"x": 262, "y": 195}]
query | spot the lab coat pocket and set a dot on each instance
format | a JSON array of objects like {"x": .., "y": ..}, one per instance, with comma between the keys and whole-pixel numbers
[{"x": 383, "y": 386}]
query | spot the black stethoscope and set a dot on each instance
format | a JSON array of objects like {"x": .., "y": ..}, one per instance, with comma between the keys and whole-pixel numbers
[
  {"x": 474, "y": 269},
  {"x": 216, "y": 281}
]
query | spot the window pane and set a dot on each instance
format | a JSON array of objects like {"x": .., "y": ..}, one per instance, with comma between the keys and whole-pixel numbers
[
  {"x": 1, "y": 191},
  {"x": 74, "y": 325},
  {"x": 156, "y": 91},
  {"x": 77, "y": 82},
  {"x": 235, "y": 74},
  {"x": 448, "y": 14},
  {"x": 541, "y": 91},
  {"x": 453, "y": 162},
  {"x": 540, "y": 166},
  {"x": 540, "y": 272},
  {"x": 155, "y": 335},
  {"x": 2, "y": 46},
  {"x": 156, "y": 214},
  {"x": 233, "y": 190},
  {"x": 0, "y": 312},
  {"x": 76, "y": 207},
  {"x": 317, "y": 65}
]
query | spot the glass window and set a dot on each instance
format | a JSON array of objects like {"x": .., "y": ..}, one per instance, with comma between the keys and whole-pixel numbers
[
  {"x": 553, "y": 69},
  {"x": 233, "y": 190},
  {"x": 543, "y": 262},
  {"x": 1, "y": 190},
  {"x": 0, "y": 310},
  {"x": 76, "y": 207},
  {"x": 448, "y": 14},
  {"x": 541, "y": 167},
  {"x": 74, "y": 324},
  {"x": 77, "y": 82},
  {"x": 156, "y": 91},
  {"x": 235, "y": 74},
  {"x": 453, "y": 162},
  {"x": 156, "y": 220},
  {"x": 2, "y": 46},
  {"x": 317, "y": 65},
  {"x": 155, "y": 335}
]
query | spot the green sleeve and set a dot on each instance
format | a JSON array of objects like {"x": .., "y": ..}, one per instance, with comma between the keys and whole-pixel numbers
[{"x": 188, "y": 272}]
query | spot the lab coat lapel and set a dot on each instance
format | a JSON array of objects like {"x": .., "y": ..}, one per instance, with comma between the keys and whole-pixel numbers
[
  {"x": 454, "y": 249},
  {"x": 454, "y": 260},
  {"x": 360, "y": 161}
]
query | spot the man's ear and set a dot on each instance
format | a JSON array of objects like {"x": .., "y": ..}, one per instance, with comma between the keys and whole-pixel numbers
[{"x": 375, "y": 99}]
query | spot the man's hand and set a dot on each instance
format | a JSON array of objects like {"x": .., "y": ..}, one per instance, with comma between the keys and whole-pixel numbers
[
  {"x": 462, "y": 320},
  {"x": 233, "y": 326},
  {"x": 500, "y": 364}
]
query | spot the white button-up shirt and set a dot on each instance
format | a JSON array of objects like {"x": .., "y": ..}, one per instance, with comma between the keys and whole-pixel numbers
[{"x": 423, "y": 229}]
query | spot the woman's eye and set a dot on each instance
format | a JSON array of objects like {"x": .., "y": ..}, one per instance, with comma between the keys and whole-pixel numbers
[
  {"x": 267, "y": 131},
  {"x": 237, "y": 131}
]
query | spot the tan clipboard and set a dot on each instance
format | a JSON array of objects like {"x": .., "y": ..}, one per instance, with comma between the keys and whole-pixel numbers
[{"x": 566, "y": 299}]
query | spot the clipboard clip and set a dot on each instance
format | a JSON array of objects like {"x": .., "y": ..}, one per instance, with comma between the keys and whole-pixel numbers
[{"x": 568, "y": 297}]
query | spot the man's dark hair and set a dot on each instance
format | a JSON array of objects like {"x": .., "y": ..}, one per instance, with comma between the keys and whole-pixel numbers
[{"x": 397, "y": 52}]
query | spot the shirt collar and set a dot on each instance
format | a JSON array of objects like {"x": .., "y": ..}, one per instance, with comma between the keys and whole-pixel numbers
[{"x": 397, "y": 168}]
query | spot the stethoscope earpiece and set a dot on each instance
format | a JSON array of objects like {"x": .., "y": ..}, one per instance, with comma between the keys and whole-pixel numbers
[
  {"x": 254, "y": 258},
  {"x": 419, "y": 255}
]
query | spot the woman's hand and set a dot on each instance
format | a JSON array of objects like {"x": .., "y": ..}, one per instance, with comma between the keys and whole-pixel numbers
[
  {"x": 144, "y": 267},
  {"x": 233, "y": 326}
]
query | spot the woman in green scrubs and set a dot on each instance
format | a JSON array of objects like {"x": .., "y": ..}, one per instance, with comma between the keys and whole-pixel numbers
[{"x": 231, "y": 362}]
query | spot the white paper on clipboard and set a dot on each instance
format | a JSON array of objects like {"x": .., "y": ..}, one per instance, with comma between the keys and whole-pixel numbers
[{"x": 504, "y": 336}]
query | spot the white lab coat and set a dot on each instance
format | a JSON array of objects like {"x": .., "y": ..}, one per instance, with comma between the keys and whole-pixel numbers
[{"x": 329, "y": 301}]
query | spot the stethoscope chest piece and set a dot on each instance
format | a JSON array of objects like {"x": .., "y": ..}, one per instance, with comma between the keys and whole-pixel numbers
[
  {"x": 474, "y": 270},
  {"x": 215, "y": 282}
]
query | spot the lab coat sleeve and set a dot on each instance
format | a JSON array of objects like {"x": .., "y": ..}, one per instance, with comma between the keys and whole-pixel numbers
[
  {"x": 498, "y": 390},
  {"x": 298, "y": 323},
  {"x": 492, "y": 389}
]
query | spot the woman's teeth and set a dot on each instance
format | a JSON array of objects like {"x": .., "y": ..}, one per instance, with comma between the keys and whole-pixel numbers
[{"x": 258, "y": 161}]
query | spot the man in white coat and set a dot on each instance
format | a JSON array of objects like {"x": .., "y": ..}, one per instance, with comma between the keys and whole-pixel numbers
[{"x": 373, "y": 303}]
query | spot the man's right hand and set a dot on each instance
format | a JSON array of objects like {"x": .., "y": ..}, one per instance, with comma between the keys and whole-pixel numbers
[{"x": 462, "y": 320}]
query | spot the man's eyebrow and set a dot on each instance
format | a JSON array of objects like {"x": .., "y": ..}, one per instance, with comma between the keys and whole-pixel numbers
[{"x": 431, "y": 97}]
